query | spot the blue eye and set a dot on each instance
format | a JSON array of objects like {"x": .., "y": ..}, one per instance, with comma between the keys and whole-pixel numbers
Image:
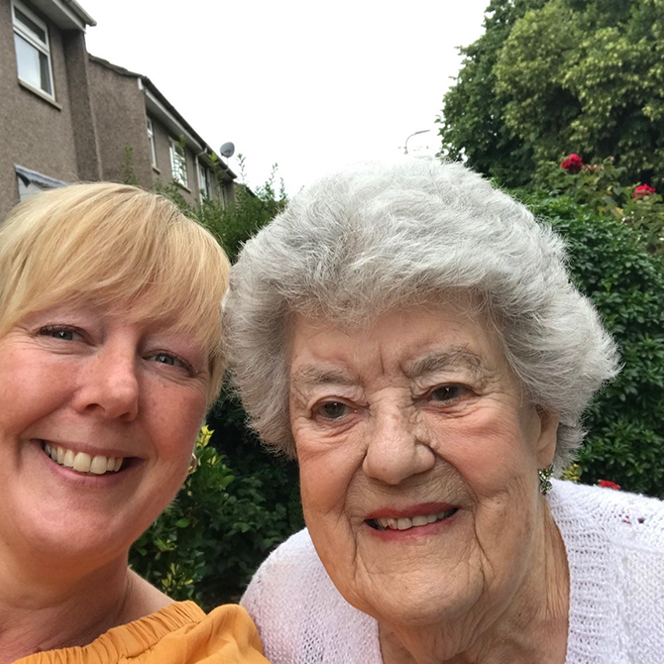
[
  {"x": 333, "y": 410},
  {"x": 165, "y": 358},
  {"x": 171, "y": 360},
  {"x": 61, "y": 333}
]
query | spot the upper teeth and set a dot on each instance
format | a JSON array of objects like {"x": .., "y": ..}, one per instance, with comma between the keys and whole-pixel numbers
[
  {"x": 404, "y": 523},
  {"x": 82, "y": 462}
]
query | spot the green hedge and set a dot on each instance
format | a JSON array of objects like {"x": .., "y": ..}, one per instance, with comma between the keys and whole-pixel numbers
[{"x": 611, "y": 264}]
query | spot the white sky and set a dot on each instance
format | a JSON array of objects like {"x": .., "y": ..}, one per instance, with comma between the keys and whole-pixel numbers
[{"x": 309, "y": 85}]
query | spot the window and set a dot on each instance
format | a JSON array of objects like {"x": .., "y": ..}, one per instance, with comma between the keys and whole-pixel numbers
[
  {"x": 33, "y": 53},
  {"x": 204, "y": 181},
  {"x": 178, "y": 163},
  {"x": 153, "y": 152}
]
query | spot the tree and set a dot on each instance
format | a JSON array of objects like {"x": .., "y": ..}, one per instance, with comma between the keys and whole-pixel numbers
[
  {"x": 561, "y": 76},
  {"x": 472, "y": 124}
]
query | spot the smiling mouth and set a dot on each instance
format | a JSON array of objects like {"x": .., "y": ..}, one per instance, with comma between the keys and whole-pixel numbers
[
  {"x": 81, "y": 462},
  {"x": 405, "y": 523}
]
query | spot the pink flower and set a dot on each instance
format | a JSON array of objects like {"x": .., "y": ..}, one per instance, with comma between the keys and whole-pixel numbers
[
  {"x": 608, "y": 484},
  {"x": 572, "y": 164},
  {"x": 642, "y": 191}
]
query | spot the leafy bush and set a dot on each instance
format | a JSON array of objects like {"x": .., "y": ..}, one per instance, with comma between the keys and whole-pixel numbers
[
  {"x": 610, "y": 263},
  {"x": 219, "y": 528}
]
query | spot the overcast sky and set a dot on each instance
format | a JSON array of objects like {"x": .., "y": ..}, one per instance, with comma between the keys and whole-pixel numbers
[{"x": 308, "y": 84}]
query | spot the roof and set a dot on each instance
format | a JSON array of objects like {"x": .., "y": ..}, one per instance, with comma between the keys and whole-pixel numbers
[
  {"x": 159, "y": 107},
  {"x": 66, "y": 14}
]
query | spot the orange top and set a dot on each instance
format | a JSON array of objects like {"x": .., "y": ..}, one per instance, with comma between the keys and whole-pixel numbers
[{"x": 181, "y": 633}]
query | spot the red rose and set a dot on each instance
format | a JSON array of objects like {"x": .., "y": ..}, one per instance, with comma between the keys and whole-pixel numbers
[
  {"x": 642, "y": 191},
  {"x": 608, "y": 484},
  {"x": 572, "y": 164}
]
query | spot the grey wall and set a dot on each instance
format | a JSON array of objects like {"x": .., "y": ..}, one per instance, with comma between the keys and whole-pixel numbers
[
  {"x": 119, "y": 108},
  {"x": 36, "y": 133}
]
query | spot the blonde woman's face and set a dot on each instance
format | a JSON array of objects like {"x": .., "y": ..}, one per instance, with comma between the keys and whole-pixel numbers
[
  {"x": 418, "y": 463},
  {"x": 98, "y": 418}
]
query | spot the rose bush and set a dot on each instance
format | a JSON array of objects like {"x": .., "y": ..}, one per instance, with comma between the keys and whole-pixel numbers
[
  {"x": 642, "y": 191},
  {"x": 572, "y": 164}
]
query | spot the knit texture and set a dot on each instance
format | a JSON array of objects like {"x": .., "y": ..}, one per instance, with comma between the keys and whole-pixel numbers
[{"x": 615, "y": 550}]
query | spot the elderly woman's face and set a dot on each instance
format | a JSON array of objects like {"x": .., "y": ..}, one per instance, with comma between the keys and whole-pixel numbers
[
  {"x": 117, "y": 403},
  {"x": 418, "y": 461}
]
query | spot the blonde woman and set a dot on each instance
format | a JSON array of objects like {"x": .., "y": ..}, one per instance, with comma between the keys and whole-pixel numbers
[{"x": 109, "y": 358}]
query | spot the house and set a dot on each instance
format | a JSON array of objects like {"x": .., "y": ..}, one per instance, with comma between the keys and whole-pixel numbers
[{"x": 67, "y": 116}]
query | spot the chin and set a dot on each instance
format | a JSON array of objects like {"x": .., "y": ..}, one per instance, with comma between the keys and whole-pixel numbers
[{"x": 419, "y": 603}]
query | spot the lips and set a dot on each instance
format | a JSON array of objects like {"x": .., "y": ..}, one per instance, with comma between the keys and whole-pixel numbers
[{"x": 414, "y": 517}]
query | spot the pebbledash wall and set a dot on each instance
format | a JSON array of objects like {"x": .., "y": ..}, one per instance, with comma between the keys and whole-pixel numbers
[{"x": 67, "y": 116}]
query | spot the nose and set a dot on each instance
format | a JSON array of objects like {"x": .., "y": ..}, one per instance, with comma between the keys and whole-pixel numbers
[
  {"x": 397, "y": 447},
  {"x": 109, "y": 384}
]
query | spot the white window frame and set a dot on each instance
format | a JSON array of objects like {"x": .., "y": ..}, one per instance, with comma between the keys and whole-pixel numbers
[
  {"x": 44, "y": 47},
  {"x": 151, "y": 143},
  {"x": 204, "y": 182},
  {"x": 178, "y": 163}
]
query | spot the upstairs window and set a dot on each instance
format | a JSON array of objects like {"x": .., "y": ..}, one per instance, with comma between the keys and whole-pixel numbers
[
  {"x": 33, "y": 52},
  {"x": 178, "y": 163},
  {"x": 204, "y": 181},
  {"x": 153, "y": 151}
]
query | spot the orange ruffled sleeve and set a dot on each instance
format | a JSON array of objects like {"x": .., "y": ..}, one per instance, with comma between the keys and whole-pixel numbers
[{"x": 179, "y": 634}]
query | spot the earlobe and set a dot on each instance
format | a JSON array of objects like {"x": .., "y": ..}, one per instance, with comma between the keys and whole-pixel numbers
[{"x": 548, "y": 436}]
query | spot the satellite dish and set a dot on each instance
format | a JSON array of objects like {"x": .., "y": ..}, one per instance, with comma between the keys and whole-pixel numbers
[{"x": 227, "y": 150}]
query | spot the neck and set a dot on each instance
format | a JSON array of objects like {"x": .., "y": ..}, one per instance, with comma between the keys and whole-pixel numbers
[
  {"x": 54, "y": 608},
  {"x": 532, "y": 627}
]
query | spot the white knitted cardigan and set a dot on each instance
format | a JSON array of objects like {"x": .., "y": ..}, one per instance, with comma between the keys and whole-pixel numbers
[{"x": 615, "y": 549}]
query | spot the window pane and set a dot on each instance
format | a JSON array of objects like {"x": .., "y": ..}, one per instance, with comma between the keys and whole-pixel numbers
[
  {"x": 29, "y": 67},
  {"x": 30, "y": 25},
  {"x": 153, "y": 152},
  {"x": 45, "y": 74},
  {"x": 178, "y": 163}
]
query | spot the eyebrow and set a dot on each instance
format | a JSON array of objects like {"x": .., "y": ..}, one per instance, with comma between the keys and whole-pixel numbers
[
  {"x": 455, "y": 358},
  {"x": 312, "y": 376}
]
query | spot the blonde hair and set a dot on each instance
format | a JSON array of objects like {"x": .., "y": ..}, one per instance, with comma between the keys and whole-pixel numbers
[{"x": 111, "y": 243}]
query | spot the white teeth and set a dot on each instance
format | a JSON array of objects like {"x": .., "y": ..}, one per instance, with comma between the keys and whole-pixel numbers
[
  {"x": 404, "y": 523},
  {"x": 68, "y": 459},
  {"x": 83, "y": 462},
  {"x": 98, "y": 465}
]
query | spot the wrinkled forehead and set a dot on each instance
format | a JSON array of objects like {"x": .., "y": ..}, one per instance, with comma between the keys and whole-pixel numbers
[{"x": 421, "y": 336}]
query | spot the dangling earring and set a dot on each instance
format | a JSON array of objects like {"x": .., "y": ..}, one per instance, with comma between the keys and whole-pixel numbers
[
  {"x": 193, "y": 464},
  {"x": 545, "y": 475}
]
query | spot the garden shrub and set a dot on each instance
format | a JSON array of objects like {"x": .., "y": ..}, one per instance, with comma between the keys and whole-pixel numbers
[{"x": 611, "y": 263}]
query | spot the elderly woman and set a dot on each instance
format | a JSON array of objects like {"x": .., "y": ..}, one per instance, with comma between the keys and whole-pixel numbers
[
  {"x": 412, "y": 337},
  {"x": 109, "y": 356}
]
